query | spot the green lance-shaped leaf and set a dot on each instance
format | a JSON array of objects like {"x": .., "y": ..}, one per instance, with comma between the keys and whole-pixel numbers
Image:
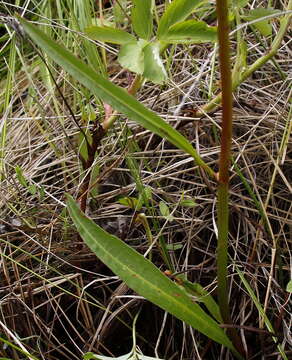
[
  {"x": 177, "y": 11},
  {"x": 190, "y": 31},
  {"x": 142, "y": 18},
  {"x": 109, "y": 34},
  {"x": 143, "y": 277},
  {"x": 111, "y": 94}
]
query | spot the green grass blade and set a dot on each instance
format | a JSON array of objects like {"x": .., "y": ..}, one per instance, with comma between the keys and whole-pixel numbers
[
  {"x": 23, "y": 352},
  {"x": 6, "y": 107},
  {"x": 81, "y": 19},
  {"x": 111, "y": 94},
  {"x": 143, "y": 277},
  {"x": 261, "y": 311}
]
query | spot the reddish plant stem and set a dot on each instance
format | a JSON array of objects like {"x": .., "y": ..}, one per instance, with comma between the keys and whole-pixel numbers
[
  {"x": 224, "y": 162},
  {"x": 97, "y": 135}
]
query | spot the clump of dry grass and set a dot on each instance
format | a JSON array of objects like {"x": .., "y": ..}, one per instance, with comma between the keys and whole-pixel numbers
[{"x": 57, "y": 299}]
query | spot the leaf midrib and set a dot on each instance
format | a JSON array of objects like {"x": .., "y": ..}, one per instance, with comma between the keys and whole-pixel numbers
[{"x": 150, "y": 285}]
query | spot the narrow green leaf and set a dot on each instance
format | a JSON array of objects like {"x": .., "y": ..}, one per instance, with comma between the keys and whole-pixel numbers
[
  {"x": 142, "y": 18},
  {"x": 89, "y": 356},
  {"x": 26, "y": 354},
  {"x": 153, "y": 66},
  {"x": 111, "y": 94},
  {"x": 131, "y": 56},
  {"x": 188, "y": 203},
  {"x": 190, "y": 31},
  {"x": 130, "y": 202},
  {"x": 177, "y": 10},
  {"x": 94, "y": 186},
  {"x": 109, "y": 34},
  {"x": 143, "y": 277},
  {"x": 82, "y": 145},
  {"x": 20, "y": 176},
  {"x": 289, "y": 286},
  {"x": 174, "y": 247},
  {"x": 264, "y": 27}
]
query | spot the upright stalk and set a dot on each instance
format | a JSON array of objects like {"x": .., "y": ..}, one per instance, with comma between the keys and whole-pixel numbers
[{"x": 225, "y": 155}]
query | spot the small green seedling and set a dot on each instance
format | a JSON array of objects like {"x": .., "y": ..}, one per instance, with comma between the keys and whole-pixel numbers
[
  {"x": 141, "y": 53},
  {"x": 32, "y": 188}
]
